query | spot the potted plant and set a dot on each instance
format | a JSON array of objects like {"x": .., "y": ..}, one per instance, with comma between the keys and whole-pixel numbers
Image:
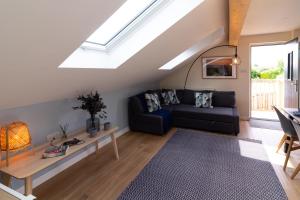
[{"x": 92, "y": 103}]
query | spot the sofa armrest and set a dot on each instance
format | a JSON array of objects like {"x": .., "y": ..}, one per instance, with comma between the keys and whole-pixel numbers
[
  {"x": 147, "y": 123},
  {"x": 150, "y": 120},
  {"x": 235, "y": 111},
  {"x": 236, "y": 122}
]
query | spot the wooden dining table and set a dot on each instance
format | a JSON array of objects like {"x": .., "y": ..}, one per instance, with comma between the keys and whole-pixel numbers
[{"x": 291, "y": 113}]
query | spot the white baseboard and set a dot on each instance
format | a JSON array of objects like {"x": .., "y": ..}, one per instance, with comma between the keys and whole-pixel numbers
[
  {"x": 6, "y": 190},
  {"x": 53, "y": 172}
]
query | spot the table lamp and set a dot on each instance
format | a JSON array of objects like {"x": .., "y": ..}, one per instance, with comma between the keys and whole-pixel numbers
[{"x": 15, "y": 136}]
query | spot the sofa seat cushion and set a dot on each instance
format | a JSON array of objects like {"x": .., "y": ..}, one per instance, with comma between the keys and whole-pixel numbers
[
  {"x": 220, "y": 114},
  {"x": 169, "y": 107},
  {"x": 167, "y": 118}
]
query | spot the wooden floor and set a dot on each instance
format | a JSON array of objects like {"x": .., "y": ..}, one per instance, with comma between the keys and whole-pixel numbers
[{"x": 101, "y": 177}]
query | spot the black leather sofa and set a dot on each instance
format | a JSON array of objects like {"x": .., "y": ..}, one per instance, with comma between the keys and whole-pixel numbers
[{"x": 222, "y": 118}]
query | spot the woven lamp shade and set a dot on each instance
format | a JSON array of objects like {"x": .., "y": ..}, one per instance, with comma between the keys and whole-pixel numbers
[{"x": 18, "y": 136}]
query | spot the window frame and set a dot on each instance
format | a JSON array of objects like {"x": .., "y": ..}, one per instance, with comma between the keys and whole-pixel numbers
[{"x": 98, "y": 46}]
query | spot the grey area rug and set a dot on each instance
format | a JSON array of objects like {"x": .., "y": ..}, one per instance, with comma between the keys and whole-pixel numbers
[
  {"x": 257, "y": 123},
  {"x": 197, "y": 165}
]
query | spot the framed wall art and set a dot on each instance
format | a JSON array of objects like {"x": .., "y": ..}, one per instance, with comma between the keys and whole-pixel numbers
[{"x": 218, "y": 67}]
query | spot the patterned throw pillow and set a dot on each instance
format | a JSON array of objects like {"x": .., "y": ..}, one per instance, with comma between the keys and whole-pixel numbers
[
  {"x": 153, "y": 102},
  {"x": 173, "y": 97},
  {"x": 170, "y": 97},
  {"x": 203, "y": 100},
  {"x": 166, "y": 97}
]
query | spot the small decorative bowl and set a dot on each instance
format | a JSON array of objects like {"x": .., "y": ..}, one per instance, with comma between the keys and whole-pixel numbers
[{"x": 106, "y": 126}]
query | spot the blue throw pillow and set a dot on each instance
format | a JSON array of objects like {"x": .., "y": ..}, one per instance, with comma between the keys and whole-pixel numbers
[{"x": 167, "y": 118}]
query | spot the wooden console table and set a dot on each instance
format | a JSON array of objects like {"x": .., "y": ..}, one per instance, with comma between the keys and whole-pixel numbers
[{"x": 25, "y": 165}]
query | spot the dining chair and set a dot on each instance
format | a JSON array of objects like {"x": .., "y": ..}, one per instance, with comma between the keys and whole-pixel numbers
[
  {"x": 289, "y": 137},
  {"x": 297, "y": 129}
]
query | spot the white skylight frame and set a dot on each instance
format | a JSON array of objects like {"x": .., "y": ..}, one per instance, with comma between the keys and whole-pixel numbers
[
  {"x": 137, "y": 38},
  {"x": 140, "y": 9}
]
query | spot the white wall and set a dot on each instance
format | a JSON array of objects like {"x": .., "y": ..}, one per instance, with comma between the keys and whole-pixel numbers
[
  {"x": 241, "y": 85},
  {"x": 44, "y": 118},
  {"x": 37, "y": 36},
  {"x": 296, "y": 33}
]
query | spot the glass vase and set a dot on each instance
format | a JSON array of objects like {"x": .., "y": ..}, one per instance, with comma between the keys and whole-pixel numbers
[{"x": 93, "y": 126}]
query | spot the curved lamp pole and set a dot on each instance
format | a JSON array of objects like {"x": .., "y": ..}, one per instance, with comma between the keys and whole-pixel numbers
[{"x": 235, "y": 59}]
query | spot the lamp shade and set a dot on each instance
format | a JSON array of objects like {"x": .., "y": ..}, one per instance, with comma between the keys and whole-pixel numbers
[
  {"x": 236, "y": 60},
  {"x": 18, "y": 136}
]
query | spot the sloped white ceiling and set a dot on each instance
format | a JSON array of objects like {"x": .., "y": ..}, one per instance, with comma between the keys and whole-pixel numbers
[
  {"x": 272, "y": 16},
  {"x": 37, "y": 36}
]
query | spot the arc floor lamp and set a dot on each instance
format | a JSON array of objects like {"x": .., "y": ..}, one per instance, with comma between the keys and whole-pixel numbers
[{"x": 235, "y": 59}]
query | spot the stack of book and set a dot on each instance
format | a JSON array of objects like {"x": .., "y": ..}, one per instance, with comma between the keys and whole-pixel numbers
[{"x": 54, "y": 151}]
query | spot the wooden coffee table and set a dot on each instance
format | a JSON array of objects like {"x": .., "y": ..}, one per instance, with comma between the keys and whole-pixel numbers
[{"x": 25, "y": 165}]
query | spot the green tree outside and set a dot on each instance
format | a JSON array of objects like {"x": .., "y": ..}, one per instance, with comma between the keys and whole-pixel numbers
[{"x": 268, "y": 73}]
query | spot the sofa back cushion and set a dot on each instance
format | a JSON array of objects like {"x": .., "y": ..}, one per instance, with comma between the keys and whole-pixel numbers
[
  {"x": 188, "y": 96},
  {"x": 136, "y": 106},
  {"x": 180, "y": 93},
  {"x": 142, "y": 102},
  {"x": 223, "y": 99}
]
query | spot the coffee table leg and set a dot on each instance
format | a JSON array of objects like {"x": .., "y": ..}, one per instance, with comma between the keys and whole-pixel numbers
[
  {"x": 97, "y": 147},
  {"x": 28, "y": 185},
  {"x": 114, "y": 142}
]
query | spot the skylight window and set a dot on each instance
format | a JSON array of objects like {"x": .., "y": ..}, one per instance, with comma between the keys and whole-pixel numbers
[
  {"x": 119, "y": 21},
  {"x": 155, "y": 20}
]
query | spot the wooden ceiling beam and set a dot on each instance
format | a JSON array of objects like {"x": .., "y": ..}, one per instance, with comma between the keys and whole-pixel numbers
[{"x": 237, "y": 13}]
